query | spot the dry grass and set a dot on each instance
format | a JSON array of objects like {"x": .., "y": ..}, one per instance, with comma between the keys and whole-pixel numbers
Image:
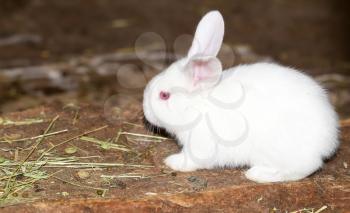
[{"x": 19, "y": 176}]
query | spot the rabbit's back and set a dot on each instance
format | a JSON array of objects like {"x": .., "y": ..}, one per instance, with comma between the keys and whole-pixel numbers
[{"x": 287, "y": 111}]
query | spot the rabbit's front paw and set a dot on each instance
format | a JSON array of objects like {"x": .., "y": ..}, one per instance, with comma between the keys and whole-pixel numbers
[{"x": 179, "y": 162}]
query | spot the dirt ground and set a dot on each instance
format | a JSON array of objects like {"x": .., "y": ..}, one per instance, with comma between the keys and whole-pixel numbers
[
  {"x": 142, "y": 179},
  {"x": 311, "y": 35}
]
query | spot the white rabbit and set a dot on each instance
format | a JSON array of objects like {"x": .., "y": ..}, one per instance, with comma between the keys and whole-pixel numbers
[{"x": 274, "y": 119}]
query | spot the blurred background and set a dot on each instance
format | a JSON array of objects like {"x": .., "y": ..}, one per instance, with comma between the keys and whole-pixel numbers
[{"x": 102, "y": 51}]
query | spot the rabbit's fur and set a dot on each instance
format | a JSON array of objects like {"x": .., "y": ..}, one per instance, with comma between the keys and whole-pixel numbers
[{"x": 274, "y": 119}]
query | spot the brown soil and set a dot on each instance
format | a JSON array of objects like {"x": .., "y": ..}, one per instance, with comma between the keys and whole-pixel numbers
[
  {"x": 312, "y": 35},
  {"x": 162, "y": 189}
]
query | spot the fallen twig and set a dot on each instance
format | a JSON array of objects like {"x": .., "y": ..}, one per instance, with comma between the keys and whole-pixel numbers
[
  {"x": 35, "y": 137},
  {"x": 105, "y": 144},
  {"x": 70, "y": 139},
  {"x": 5, "y": 122},
  {"x": 144, "y": 135}
]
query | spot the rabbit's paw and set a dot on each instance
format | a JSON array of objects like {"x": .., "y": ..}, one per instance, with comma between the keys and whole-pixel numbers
[
  {"x": 179, "y": 162},
  {"x": 264, "y": 174}
]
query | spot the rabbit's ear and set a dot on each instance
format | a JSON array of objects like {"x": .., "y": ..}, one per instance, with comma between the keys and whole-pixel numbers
[
  {"x": 203, "y": 71},
  {"x": 209, "y": 35}
]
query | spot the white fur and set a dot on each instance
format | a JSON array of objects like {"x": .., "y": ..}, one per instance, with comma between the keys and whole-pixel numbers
[{"x": 274, "y": 119}]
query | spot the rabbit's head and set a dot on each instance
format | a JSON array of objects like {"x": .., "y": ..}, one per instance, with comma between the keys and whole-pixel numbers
[{"x": 168, "y": 93}]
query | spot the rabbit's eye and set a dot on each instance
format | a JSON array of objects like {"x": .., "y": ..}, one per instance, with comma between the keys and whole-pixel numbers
[{"x": 164, "y": 95}]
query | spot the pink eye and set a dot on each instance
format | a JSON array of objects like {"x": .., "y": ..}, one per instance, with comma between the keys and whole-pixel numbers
[{"x": 164, "y": 95}]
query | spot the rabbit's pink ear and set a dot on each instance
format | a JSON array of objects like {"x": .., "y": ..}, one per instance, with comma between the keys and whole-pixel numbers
[
  {"x": 204, "y": 71},
  {"x": 209, "y": 35}
]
